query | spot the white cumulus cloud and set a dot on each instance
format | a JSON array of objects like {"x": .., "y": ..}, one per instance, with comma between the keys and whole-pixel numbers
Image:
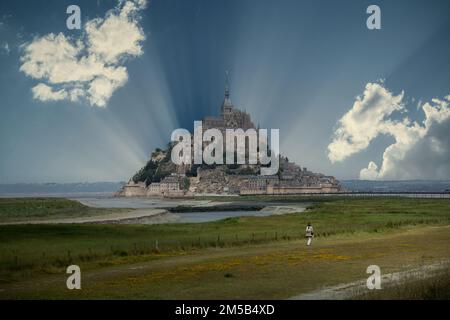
[
  {"x": 90, "y": 67},
  {"x": 421, "y": 150},
  {"x": 45, "y": 93},
  {"x": 364, "y": 121}
]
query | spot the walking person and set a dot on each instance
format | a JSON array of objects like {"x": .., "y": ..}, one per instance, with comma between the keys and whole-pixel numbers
[{"x": 309, "y": 233}]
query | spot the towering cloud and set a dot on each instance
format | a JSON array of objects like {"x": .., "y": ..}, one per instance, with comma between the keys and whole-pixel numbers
[
  {"x": 90, "y": 67},
  {"x": 421, "y": 150}
]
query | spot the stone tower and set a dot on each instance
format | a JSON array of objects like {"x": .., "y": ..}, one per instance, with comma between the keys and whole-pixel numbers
[
  {"x": 230, "y": 117},
  {"x": 227, "y": 105}
]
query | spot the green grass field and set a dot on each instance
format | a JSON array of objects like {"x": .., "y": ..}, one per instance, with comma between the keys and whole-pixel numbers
[
  {"x": 219, "y": 259},
  {"x": 23, "y": 209}
]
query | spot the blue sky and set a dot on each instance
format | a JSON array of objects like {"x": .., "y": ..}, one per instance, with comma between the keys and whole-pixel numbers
[{"x": 294, "y": 65}]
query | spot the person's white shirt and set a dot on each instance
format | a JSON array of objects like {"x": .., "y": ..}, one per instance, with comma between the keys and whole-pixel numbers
[{"x": 309, "y": 231}]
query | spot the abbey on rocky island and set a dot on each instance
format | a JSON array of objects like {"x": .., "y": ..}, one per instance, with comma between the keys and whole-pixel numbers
[{"x": 161, "y": 177}]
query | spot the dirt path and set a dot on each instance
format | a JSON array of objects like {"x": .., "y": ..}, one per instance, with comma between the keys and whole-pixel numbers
[{"x": 348, "y": 290}]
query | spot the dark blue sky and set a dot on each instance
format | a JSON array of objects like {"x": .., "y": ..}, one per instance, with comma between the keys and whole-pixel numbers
[{"x": 295, "y": 65}]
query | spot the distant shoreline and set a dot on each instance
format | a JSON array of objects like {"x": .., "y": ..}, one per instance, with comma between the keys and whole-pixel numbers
[{"x": 109, "y": 189}]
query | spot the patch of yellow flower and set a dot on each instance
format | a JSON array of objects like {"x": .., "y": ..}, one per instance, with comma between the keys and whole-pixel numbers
[{"x": 245, "y": 263}]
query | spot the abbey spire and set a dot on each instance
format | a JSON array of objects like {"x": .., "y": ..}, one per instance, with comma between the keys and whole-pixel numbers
[{"x": 227, "y": 105}]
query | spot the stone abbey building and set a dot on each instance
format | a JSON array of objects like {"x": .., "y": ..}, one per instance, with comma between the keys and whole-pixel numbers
[
  {"x": 240, "y": 180},
  {"x": 230, "y": 118}
]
